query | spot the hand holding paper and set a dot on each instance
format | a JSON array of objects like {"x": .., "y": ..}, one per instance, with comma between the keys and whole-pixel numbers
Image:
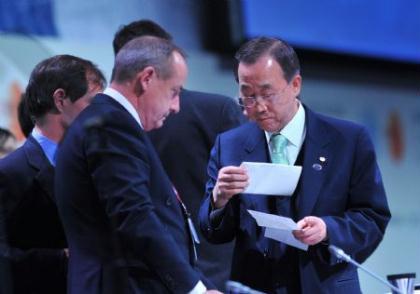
[
  {"x": 231, "y": 180},
  {"x": 271, "y": 178},
  {"x": 278, "y": 228},
  {"x": 314, "y": 230}
]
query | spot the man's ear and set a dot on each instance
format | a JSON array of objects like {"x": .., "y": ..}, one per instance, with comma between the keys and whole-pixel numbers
[
  {"x": 146, "y": 76},
  {"x": 143, "y": 80},
  {"x": 296, "y": 84},
  {"x": 59, "y": 95}
]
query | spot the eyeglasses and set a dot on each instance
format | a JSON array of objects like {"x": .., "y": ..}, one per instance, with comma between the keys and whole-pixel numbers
[{"x": 251, "y": 101}]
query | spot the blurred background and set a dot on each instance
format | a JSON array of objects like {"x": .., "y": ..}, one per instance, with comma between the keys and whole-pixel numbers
[{"x": 360, "y": 61}]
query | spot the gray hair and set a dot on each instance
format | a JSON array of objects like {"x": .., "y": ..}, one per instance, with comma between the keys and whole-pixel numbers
[{"x": 142, "y": 52}]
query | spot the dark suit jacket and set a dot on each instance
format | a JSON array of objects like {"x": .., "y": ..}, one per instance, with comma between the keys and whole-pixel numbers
[
  {"x": 33, "y": 239},
  {"x": 124, "y": 224},
  {"x": 184, "y": 144},
  {"x": 347, "y": 193}
]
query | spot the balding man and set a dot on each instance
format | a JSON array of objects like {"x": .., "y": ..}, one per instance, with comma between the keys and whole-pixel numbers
[{"x": 125, "y": 226}]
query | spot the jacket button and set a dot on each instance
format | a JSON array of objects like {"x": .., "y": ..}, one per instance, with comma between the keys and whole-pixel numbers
[
  {"x": 168, "y": 202},
  {"x": 169, "y": 281},
  {"x": 265, "y": 253}
]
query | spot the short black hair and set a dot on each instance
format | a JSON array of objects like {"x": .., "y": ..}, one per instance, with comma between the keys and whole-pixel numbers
[
  {"x": 136, "y": 29},
  {"x": 66, "y": 72},
  {"x": 25, "y": 120},
  {"x": 280, "y": 50}
]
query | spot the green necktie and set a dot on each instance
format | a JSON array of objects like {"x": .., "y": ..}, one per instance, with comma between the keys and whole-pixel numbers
[{"x": 278, "y": 144}]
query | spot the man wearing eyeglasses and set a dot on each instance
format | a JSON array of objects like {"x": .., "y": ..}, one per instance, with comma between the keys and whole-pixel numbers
[{"x": 339, "y": 199}]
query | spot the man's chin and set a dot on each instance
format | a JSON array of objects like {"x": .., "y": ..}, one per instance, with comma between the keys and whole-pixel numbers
[
  {"x": 153, "y": 126},
  {"x": 159, "y": 124},
  {"x": 267, "y": 126}
]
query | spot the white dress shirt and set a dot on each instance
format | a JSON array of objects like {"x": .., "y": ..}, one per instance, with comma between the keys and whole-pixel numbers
[
  {"x": 117, "y": 96},
  {"x": 295, "y": 132}
]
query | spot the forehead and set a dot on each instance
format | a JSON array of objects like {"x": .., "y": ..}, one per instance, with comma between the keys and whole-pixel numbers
[
  {"x": 178, "y": 61},
  {"x": 264, "y": 73},
  {"x": 179, "y": 69}
]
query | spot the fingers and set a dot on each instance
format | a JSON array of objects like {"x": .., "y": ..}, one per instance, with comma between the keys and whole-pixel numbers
[
  {"x": 232, "y": 173},
  {"x": 231, "y": 180},
  {"x": 312, "y": 230},
  {"x": 232, "y": 177},
  {"x": 301, "y": 224}
]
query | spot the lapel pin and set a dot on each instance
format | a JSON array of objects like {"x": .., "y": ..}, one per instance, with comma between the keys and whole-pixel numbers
[{"x": 317, "y": 166}]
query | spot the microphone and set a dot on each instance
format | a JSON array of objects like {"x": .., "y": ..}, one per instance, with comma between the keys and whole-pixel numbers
[
  {"x": 340, "y": 254},
  {"x": 237, "y": 288}
]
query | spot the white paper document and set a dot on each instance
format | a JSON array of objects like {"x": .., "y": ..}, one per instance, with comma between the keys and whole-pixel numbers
[
  {"x": 272, "y": 178},
  {"x": 278, "y": 228}
]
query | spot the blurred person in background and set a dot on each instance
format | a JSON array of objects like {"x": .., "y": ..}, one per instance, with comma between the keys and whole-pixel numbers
[
  {"x": 8, "y": 142},
  {"x": 33, "y": 240}
]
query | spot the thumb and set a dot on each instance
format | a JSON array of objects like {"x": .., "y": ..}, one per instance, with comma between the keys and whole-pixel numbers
[{"x": 301, "y": 224}]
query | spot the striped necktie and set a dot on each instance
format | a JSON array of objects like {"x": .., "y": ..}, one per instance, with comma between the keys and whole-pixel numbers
[{"x": 278, "y": 144}]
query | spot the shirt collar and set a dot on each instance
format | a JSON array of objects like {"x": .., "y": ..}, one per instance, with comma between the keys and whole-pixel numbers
[
  {"x": 117, "y": 96},
  {"x": 294, "y": 130},
  {"x": 48, "y": 146}
]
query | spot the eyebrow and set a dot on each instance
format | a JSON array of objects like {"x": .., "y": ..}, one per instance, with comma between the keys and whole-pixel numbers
[
  {"x": 265, "y": 86},
  {"x": 244, "y": 87},
  {"x": 262, "y": 87}
]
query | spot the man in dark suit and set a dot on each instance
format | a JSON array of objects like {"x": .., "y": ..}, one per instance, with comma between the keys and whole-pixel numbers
[
  {"x": 124, "y": 223},
  {"x": 183, "y": 144},
  {"x": 33, "y": 240},
  {"x": 339, "y": 199}
]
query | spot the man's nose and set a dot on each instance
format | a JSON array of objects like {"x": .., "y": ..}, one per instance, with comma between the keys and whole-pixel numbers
[
  {"x": 175, "y": 107},
  {"x": 260, "y": 105}
]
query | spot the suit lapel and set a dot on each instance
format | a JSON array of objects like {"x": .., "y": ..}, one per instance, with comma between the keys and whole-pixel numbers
[
  {"x": 39, "y": 162},
  {"x": 316, "y": 148},
  {"x": 255, "y": 145},
  {"x": 317, "y": 156},
  {"x": 255, "y": 150}
]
